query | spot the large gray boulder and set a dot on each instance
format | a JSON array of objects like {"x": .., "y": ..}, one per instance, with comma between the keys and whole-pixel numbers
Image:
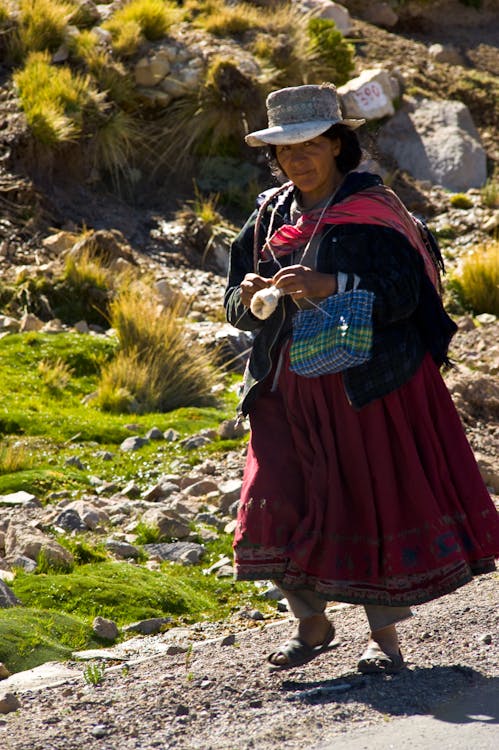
[{"x": 436, "y": 141}]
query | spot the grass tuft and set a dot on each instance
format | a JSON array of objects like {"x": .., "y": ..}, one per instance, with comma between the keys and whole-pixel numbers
[
  {"x": 139, "y": 20},
  {"x": 42, "y": 24},
  {"x": 461, "y": 200},
  {"x": 55, "y": 374},
  {"x": 54, "y": 99},
  {"x": 159, "y": 367},
  {"x": 476, "y": 284},
  {"x": 490, "y": 193},
  {"x": 15, "y": 458}
]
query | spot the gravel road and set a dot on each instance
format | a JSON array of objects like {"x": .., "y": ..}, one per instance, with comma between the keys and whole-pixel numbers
[{"x": 219, "y": 694}]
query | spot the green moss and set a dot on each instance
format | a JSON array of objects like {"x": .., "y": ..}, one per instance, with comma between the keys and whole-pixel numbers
[
  {"x": 460, "y": 200},
  {"x": 30, "y": 636},
  {"x": 126, "y": 593}
]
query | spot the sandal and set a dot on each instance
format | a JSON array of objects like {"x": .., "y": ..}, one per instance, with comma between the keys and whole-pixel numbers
[
  {"x": 375, "y": 661},
  {"x": 297, "y": 652}
]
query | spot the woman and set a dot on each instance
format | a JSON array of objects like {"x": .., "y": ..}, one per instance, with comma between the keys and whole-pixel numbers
[{"x": 359, "y": 486}]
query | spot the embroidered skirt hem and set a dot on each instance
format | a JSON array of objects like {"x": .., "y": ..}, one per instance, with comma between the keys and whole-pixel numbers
[{"x": 384, "y": 505}]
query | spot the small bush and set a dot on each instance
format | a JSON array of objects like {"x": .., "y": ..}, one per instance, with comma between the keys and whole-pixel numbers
[
  {"x": 147, "y": 534},
  {"x": 14, "y": 458},
  {"x": 84, "y": 46},
  {"x": 139, "y": 19},
  {"x": 215, "y": 119},
  {"x": 476, "y": 284},
  {"x": 127, "y": 37},
  {"x": 113, "y": 146},
  {"x": 225, "y": 20},
  {"x": 490, "y": 193},
  {"x": 83, "y": 291},
  {"x": 4, "y": 12},
  {"x": 53, "y": 99},
  {"x": 55, "y": 374},
  {"x": 460, "y": 200},
  {"x": 159, "y": 367},
  {"x": 333, "y": 56},
  {"x": 42, "y": 24}
]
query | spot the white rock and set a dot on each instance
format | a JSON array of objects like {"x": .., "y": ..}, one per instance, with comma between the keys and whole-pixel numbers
[
  {"x": 106, "y": 629},
  {"x": 59, "y": 242},
  {"x": 330, "y": 11},
  {"x": 8, "y": 324},
  {"x": 19, "y": 498},
  {"x": 173, "y": 87},
  {"x": 380, "y": 14},
  {"x": 445, "y": 54},
  {"x": 30, "y": 322},
  {"x": 31, "y": 542},
  {"x": 369, "y": 95},
  {"x": 159, "y": 67}
]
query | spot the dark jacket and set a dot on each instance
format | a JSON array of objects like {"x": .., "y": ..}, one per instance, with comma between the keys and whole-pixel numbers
[{"x": 408, "y": 318}]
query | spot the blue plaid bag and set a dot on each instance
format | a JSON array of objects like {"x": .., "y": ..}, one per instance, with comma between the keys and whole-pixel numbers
[{"x": 334, "y": 335}]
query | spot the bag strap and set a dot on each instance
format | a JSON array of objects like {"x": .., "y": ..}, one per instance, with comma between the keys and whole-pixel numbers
[{"x": 347, "y": 282}]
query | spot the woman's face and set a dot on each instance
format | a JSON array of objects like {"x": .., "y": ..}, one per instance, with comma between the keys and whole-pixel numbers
[{"x": 311, "y": 166}]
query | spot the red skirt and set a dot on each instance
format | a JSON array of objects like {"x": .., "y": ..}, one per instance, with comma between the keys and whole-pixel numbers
[{"x": 384, "y": 505}]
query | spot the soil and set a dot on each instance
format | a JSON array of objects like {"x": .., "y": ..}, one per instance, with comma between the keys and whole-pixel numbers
[{"x": 219, "y": 694}]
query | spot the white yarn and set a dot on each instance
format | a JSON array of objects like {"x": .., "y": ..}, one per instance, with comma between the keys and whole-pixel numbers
[{"x": 264, "y": 302}]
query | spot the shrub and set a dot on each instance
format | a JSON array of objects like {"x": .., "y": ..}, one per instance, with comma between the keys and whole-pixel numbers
[
  {"x": 215, "y": 119},
  {"x": 55, "y": 374},
  {"x": 460, "y": 200},
  {"x": 224, "y": 20},
  {"x": 139, "y": 19},
  {"x": 42, "y": 24},
  {"x": 476, "y": 284},
  {"x": 114, "y": 143},
  {"x": 53, "y": 99},
  {"x": 332, "y": 55},
  {"x": 127, "y": 37},
  {"x": 84, "y": 46},
  {"x": 4, "y": 12},
  {"x": 490, "y": 193},
  {"x": 15, "y": 458},
  {"x": 159, "y": 367}
]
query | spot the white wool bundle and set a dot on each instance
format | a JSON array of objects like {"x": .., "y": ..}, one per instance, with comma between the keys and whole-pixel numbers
[{"x": 264, "y": 302}]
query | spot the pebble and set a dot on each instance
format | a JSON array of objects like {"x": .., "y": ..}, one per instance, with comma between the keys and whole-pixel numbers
[{"x": 486, "y": 638}]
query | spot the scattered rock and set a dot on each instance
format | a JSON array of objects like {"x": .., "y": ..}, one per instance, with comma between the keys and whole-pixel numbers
[
  {"x": 19, "y": 498},
  {"x": 121, "y": 549},
  {"x": 148, "y": 627},
  {"x": 8, "y": 703},
  {"x": 133, "y": 443},
  {"x": 7, "y": 597},
  {"x": 187, "y": 553},
  {"x": 106, "y": 629}
]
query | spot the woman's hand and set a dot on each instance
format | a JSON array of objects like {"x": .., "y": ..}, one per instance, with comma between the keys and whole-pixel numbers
[
  {"x": 301, "y": 282},
  {"x": 251, "y": 284}
]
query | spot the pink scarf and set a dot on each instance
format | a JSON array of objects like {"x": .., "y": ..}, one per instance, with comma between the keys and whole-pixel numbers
[{"x": 376, "y": 205}]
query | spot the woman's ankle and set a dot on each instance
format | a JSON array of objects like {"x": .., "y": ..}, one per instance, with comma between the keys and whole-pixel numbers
[{"x": 386, "y": 639}]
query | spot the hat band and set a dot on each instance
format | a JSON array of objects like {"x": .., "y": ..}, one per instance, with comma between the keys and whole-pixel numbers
[{"x": 282, "y": 115}]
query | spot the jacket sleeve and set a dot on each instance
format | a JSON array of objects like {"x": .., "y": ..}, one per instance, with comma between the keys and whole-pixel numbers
[
  {"x": 240, "y": 263},
  {"x": 388, "y": 266}
]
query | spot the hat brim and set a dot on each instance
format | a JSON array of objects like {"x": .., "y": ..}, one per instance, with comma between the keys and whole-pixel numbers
[{"x": 281, "y": 135}]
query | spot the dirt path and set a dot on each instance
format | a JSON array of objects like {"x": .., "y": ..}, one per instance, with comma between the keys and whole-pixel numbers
[{"x": 219, "y": 694}]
